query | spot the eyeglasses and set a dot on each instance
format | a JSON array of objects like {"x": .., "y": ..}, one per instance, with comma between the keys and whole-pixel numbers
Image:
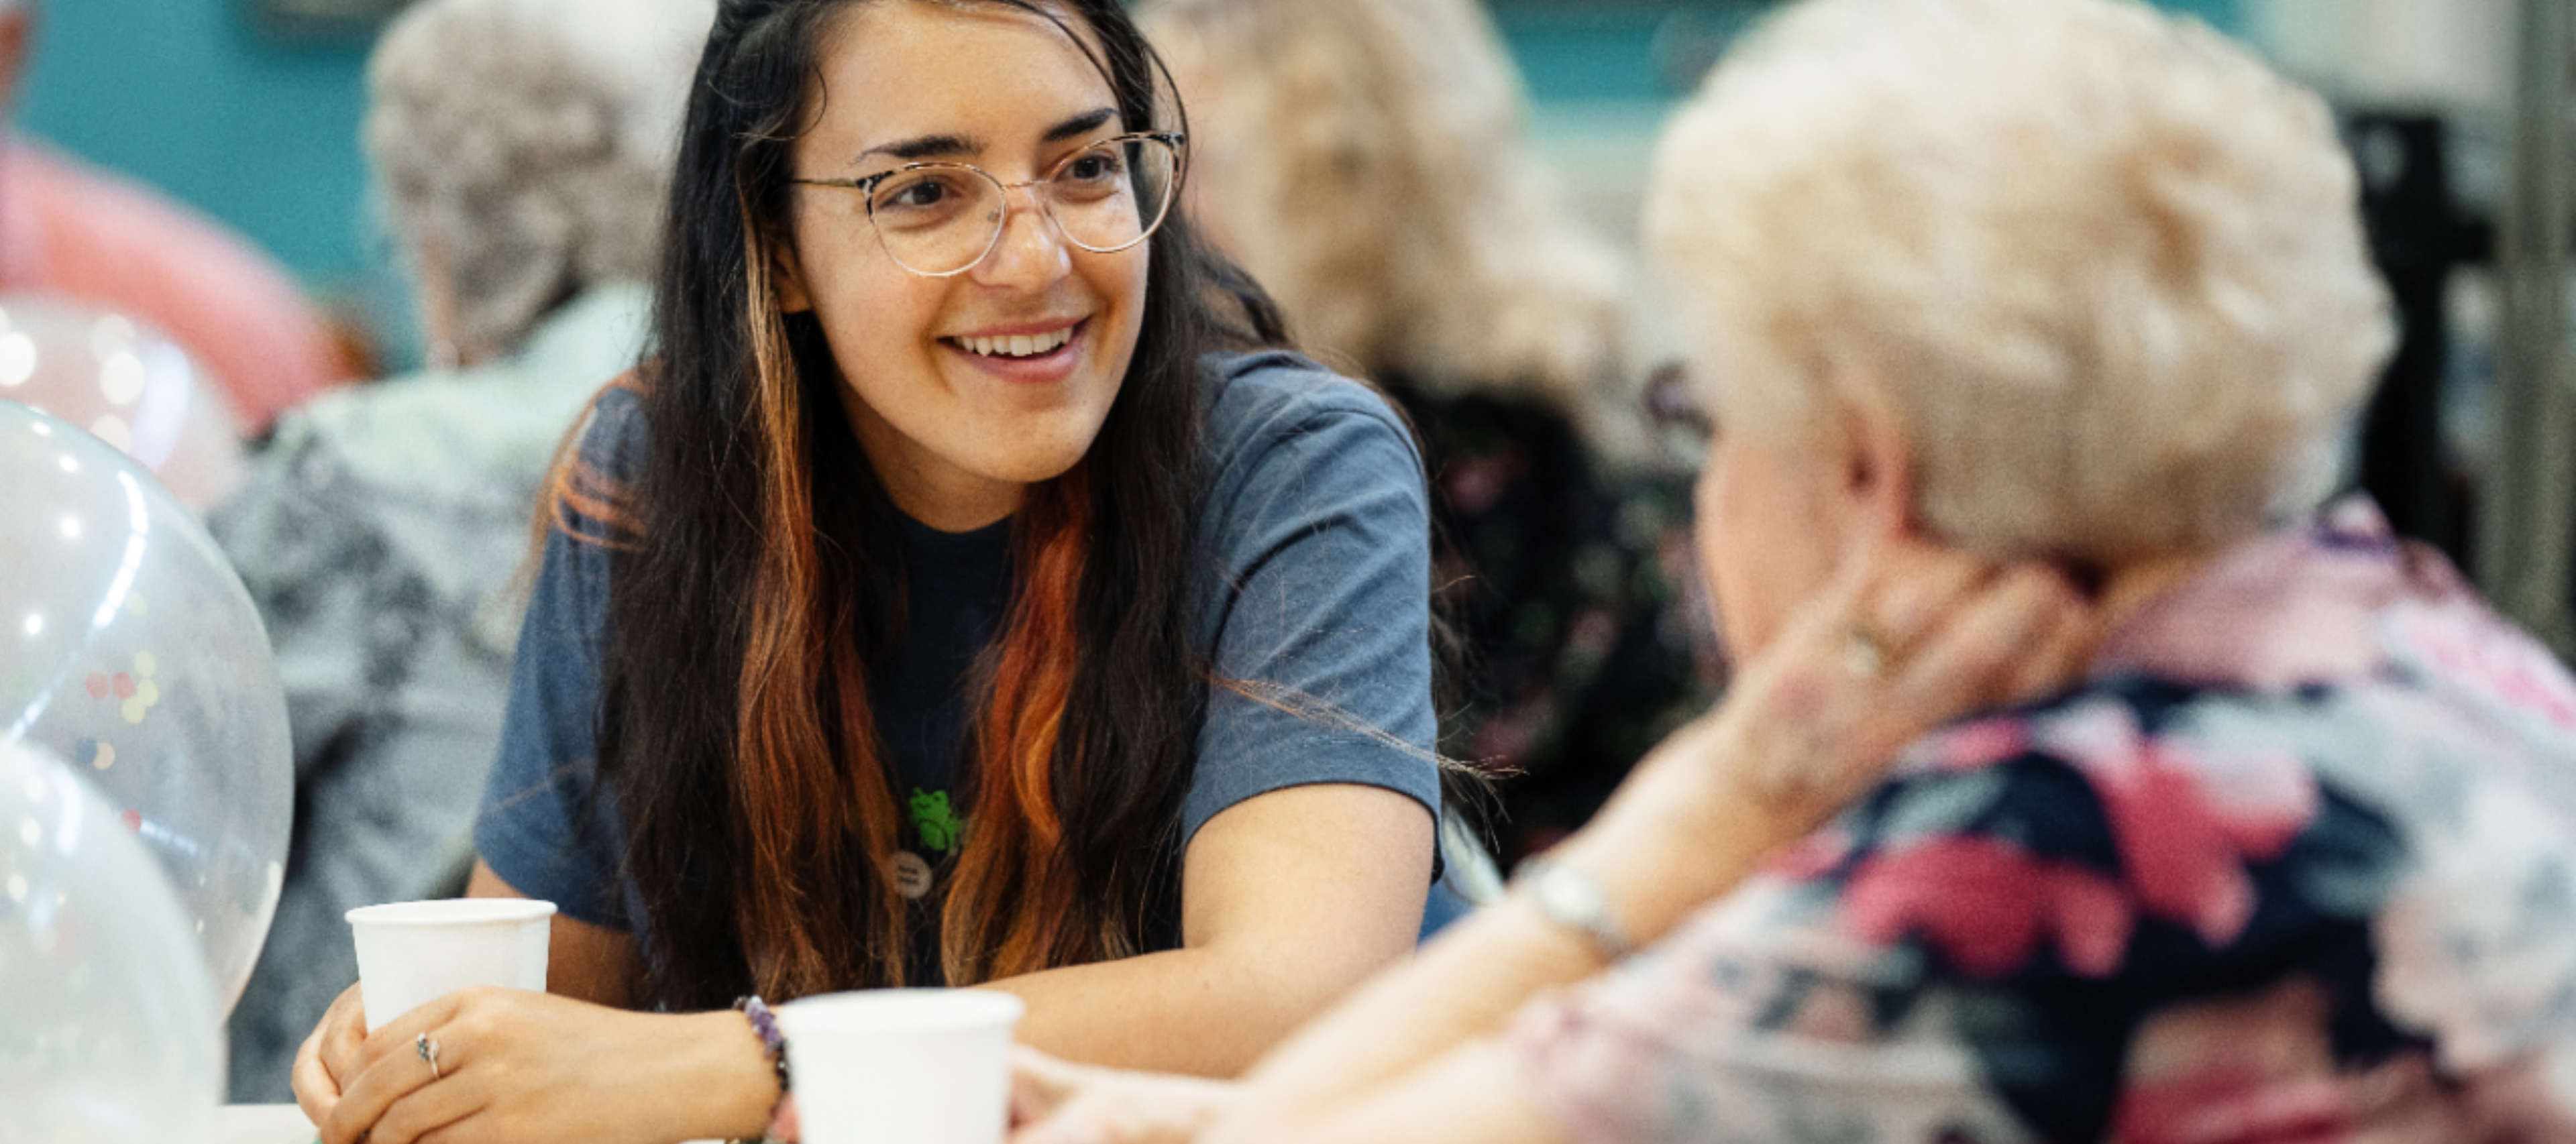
[
  {"x": 940, "y": 219},
  {"x": 1683, "y": 430}
]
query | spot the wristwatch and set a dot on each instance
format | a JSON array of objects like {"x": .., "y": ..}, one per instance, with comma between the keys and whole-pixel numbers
[{"x": 1573, "y": 899}]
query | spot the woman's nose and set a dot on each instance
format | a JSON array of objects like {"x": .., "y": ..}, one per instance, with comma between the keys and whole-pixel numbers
[{"x": 1032, "y": 250}]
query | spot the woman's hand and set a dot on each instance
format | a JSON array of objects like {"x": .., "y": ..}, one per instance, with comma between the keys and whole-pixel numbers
[
  {"x": 1054, "y": 1102},
  {"x": 519, "y": 1066},
  {"x": 330, "y": 1054},
  {"x": 1910, "y": 637}
]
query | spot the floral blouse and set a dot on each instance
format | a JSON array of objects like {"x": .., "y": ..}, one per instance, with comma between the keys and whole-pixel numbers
[{"x": 2296, "y": 862}]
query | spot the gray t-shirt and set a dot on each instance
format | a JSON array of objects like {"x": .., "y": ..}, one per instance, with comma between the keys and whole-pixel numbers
[{"x": 1317, "y": 594}]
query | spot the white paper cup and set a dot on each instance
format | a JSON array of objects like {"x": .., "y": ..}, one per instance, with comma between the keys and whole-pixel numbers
[
  {"x": 901, "y": 1066},
  {"x": 412, "y": 953}
]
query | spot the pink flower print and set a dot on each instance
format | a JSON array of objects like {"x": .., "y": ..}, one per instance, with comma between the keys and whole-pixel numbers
[
  {"x": 1812, "y": 857},
  {"x": 2254, "y": 1069},
  {"x": 1972, "y": 746},
  {"x": 2472, "y": 651},
  {"x": 2187, "y": 817},
  {"x": 1985, "y": 905}
]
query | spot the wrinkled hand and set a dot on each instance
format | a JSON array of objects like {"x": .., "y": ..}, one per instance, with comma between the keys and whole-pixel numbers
[
  {"x": 1055, "y": 1102},
  {"x": 1912, "y": 636},
  {"x": 513, "y": 1066}
]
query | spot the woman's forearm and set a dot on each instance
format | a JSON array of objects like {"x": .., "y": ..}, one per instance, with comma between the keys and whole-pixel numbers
[
  {"x": 1289, "y": 899},
  {"x": 1663, "y": 849},
  {"x": 1201, "y": 1012}
]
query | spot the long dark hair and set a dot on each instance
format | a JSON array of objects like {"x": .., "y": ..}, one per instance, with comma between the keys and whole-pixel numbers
[{"x": 737, "y": 747}]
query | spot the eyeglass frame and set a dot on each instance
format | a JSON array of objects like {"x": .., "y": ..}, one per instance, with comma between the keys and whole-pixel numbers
[{"x": 867, "y": 185}]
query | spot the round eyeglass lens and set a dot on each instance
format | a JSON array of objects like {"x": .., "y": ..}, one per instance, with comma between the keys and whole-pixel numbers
[
  {"x": 1113, "y": 195},
  {"x": 937, "y": 219},
  {"x": 943, "y": 218}
]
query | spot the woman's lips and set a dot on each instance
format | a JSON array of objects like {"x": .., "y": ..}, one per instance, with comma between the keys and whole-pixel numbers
[{"x": 1047, "y": 368}]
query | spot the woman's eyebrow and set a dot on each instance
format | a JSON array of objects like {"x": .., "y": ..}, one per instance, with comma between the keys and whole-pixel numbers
[
  {"x": 945, "y": 146},
  {"x": 1080, "y": 125},
  {"x": 924, "y": 147}
]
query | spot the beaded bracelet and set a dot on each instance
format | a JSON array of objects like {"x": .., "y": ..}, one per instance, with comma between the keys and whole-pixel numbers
[{"x": 765, "y": 1023}]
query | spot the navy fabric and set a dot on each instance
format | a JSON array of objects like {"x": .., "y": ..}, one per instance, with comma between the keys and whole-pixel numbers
[{"x": 1316, "y": 625}]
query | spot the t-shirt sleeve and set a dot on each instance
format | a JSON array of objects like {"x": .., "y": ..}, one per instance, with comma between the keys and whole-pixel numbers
[
  {"x": 1321, "y": 615},
  {"x": 541, "y": 828}
]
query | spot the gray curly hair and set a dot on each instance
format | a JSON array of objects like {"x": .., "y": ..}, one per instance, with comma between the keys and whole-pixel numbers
[
  {"x": 1385, "y": 195},
  {"x": 529, "y": 142},
  {"x": 2104, "y": 266}
]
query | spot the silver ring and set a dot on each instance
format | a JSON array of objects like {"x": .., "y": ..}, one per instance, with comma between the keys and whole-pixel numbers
[
  {"x": 427, "y": 1047},
  {"x": 1865, "y": 653}
]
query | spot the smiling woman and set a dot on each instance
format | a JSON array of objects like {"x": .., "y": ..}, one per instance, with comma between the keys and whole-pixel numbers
[{"x": 921, "y": 613}]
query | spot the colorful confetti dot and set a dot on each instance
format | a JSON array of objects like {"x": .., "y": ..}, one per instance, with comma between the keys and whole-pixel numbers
[
  {"x": 97, "y": 684},
  {"x": 134, "y": 709},
  {"x": 149, "y": 692},
  {"x": 144, "y": 664},
  {"x": 106, "y": 756},
  {"x": 124, "y": 685},
  {"x": 133, "y": 820}
]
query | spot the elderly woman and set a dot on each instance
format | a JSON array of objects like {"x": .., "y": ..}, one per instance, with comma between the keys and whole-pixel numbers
[
  {"x": 522, "y": 148},
  {"x": 2289, "y": 857},
  {"x": 1365, "y": 160}
]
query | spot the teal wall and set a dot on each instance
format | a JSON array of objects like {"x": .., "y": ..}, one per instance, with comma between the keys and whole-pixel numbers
[{"x": 190, "y": 95}]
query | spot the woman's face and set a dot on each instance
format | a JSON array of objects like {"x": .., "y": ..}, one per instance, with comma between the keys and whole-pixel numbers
[
  {"x": 954, "y": 424},
  {"x": 1771, "y": 522}
]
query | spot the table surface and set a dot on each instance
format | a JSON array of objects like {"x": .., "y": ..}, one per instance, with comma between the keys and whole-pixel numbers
[
  {"x": 270, "y": 1124},
  {"x": 262, "y": 1124}
]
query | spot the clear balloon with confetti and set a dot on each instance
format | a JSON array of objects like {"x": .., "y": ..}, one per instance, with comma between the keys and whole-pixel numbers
[
  {"x": 129, "y": 385},
  {"x": 109, "y": 1031},
  {"x": 129, "y": 649}
]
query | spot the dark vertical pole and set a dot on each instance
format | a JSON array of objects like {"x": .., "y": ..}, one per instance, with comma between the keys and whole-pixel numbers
[{"x": 2528, "y": 502}]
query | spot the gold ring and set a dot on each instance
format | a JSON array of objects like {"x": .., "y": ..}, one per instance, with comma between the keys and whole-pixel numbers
[{"x": 428, "y": 1050}]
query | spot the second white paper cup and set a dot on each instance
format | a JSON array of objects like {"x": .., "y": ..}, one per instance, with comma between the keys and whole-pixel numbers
[
  {"x": 412, "y": 953},
  {"x": 901, "y": 1066}
]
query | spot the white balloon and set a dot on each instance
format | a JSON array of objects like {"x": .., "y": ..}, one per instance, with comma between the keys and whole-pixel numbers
[
  {"x": 108, "y": 1027},
  {"x": 129, "y": 649},
  {"x": 127, "y": 384}
]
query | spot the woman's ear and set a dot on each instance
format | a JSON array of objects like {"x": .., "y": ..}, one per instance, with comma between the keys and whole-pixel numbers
[
  {"x": 787, "y": 277},
  {"x": 1878, "y": 467}
]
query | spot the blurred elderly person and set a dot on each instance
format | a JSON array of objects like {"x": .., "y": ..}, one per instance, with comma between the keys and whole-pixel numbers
[
  {"x": 522, "y": 150},
  {"x": 2288, "y": 853},
  {"x": 1365, "y": 161},
  {"x": 72, "y": 230}
]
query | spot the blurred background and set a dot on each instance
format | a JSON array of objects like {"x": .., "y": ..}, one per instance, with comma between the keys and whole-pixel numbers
[{"x": 249, "y": 111}]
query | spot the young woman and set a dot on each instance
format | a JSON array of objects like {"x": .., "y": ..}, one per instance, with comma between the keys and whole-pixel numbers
[{"x": 936, "y": 607}]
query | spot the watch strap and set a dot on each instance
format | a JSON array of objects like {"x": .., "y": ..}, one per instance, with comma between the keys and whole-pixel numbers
[{"x": 1571, "y": 898}]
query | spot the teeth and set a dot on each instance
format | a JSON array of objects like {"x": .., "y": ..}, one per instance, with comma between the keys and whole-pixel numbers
[{"x": 1018, "y": 345}]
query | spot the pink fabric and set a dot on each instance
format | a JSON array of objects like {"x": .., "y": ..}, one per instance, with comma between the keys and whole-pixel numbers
[
  {"x": 2295, "y": 864},
  {"x": 78, "y": 232}
]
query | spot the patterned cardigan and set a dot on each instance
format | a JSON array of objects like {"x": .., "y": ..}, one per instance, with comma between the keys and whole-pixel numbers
[{"x": 2296, "y": 862}]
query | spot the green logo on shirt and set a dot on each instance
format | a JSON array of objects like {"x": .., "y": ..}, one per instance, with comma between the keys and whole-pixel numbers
[{"x": 939, "y": 827}]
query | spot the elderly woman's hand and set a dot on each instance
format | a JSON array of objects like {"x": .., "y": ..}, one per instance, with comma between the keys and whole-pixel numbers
[
  {"x": 1910, "y": 637},
  {"x": 1056, "y": 1102}
]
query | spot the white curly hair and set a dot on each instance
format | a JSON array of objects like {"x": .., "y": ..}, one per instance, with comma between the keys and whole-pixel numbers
[
  {"x": 530, "y": 142},
  {"x": 1376, "y": 175},
  {"x": 2105, "y": 268}
]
